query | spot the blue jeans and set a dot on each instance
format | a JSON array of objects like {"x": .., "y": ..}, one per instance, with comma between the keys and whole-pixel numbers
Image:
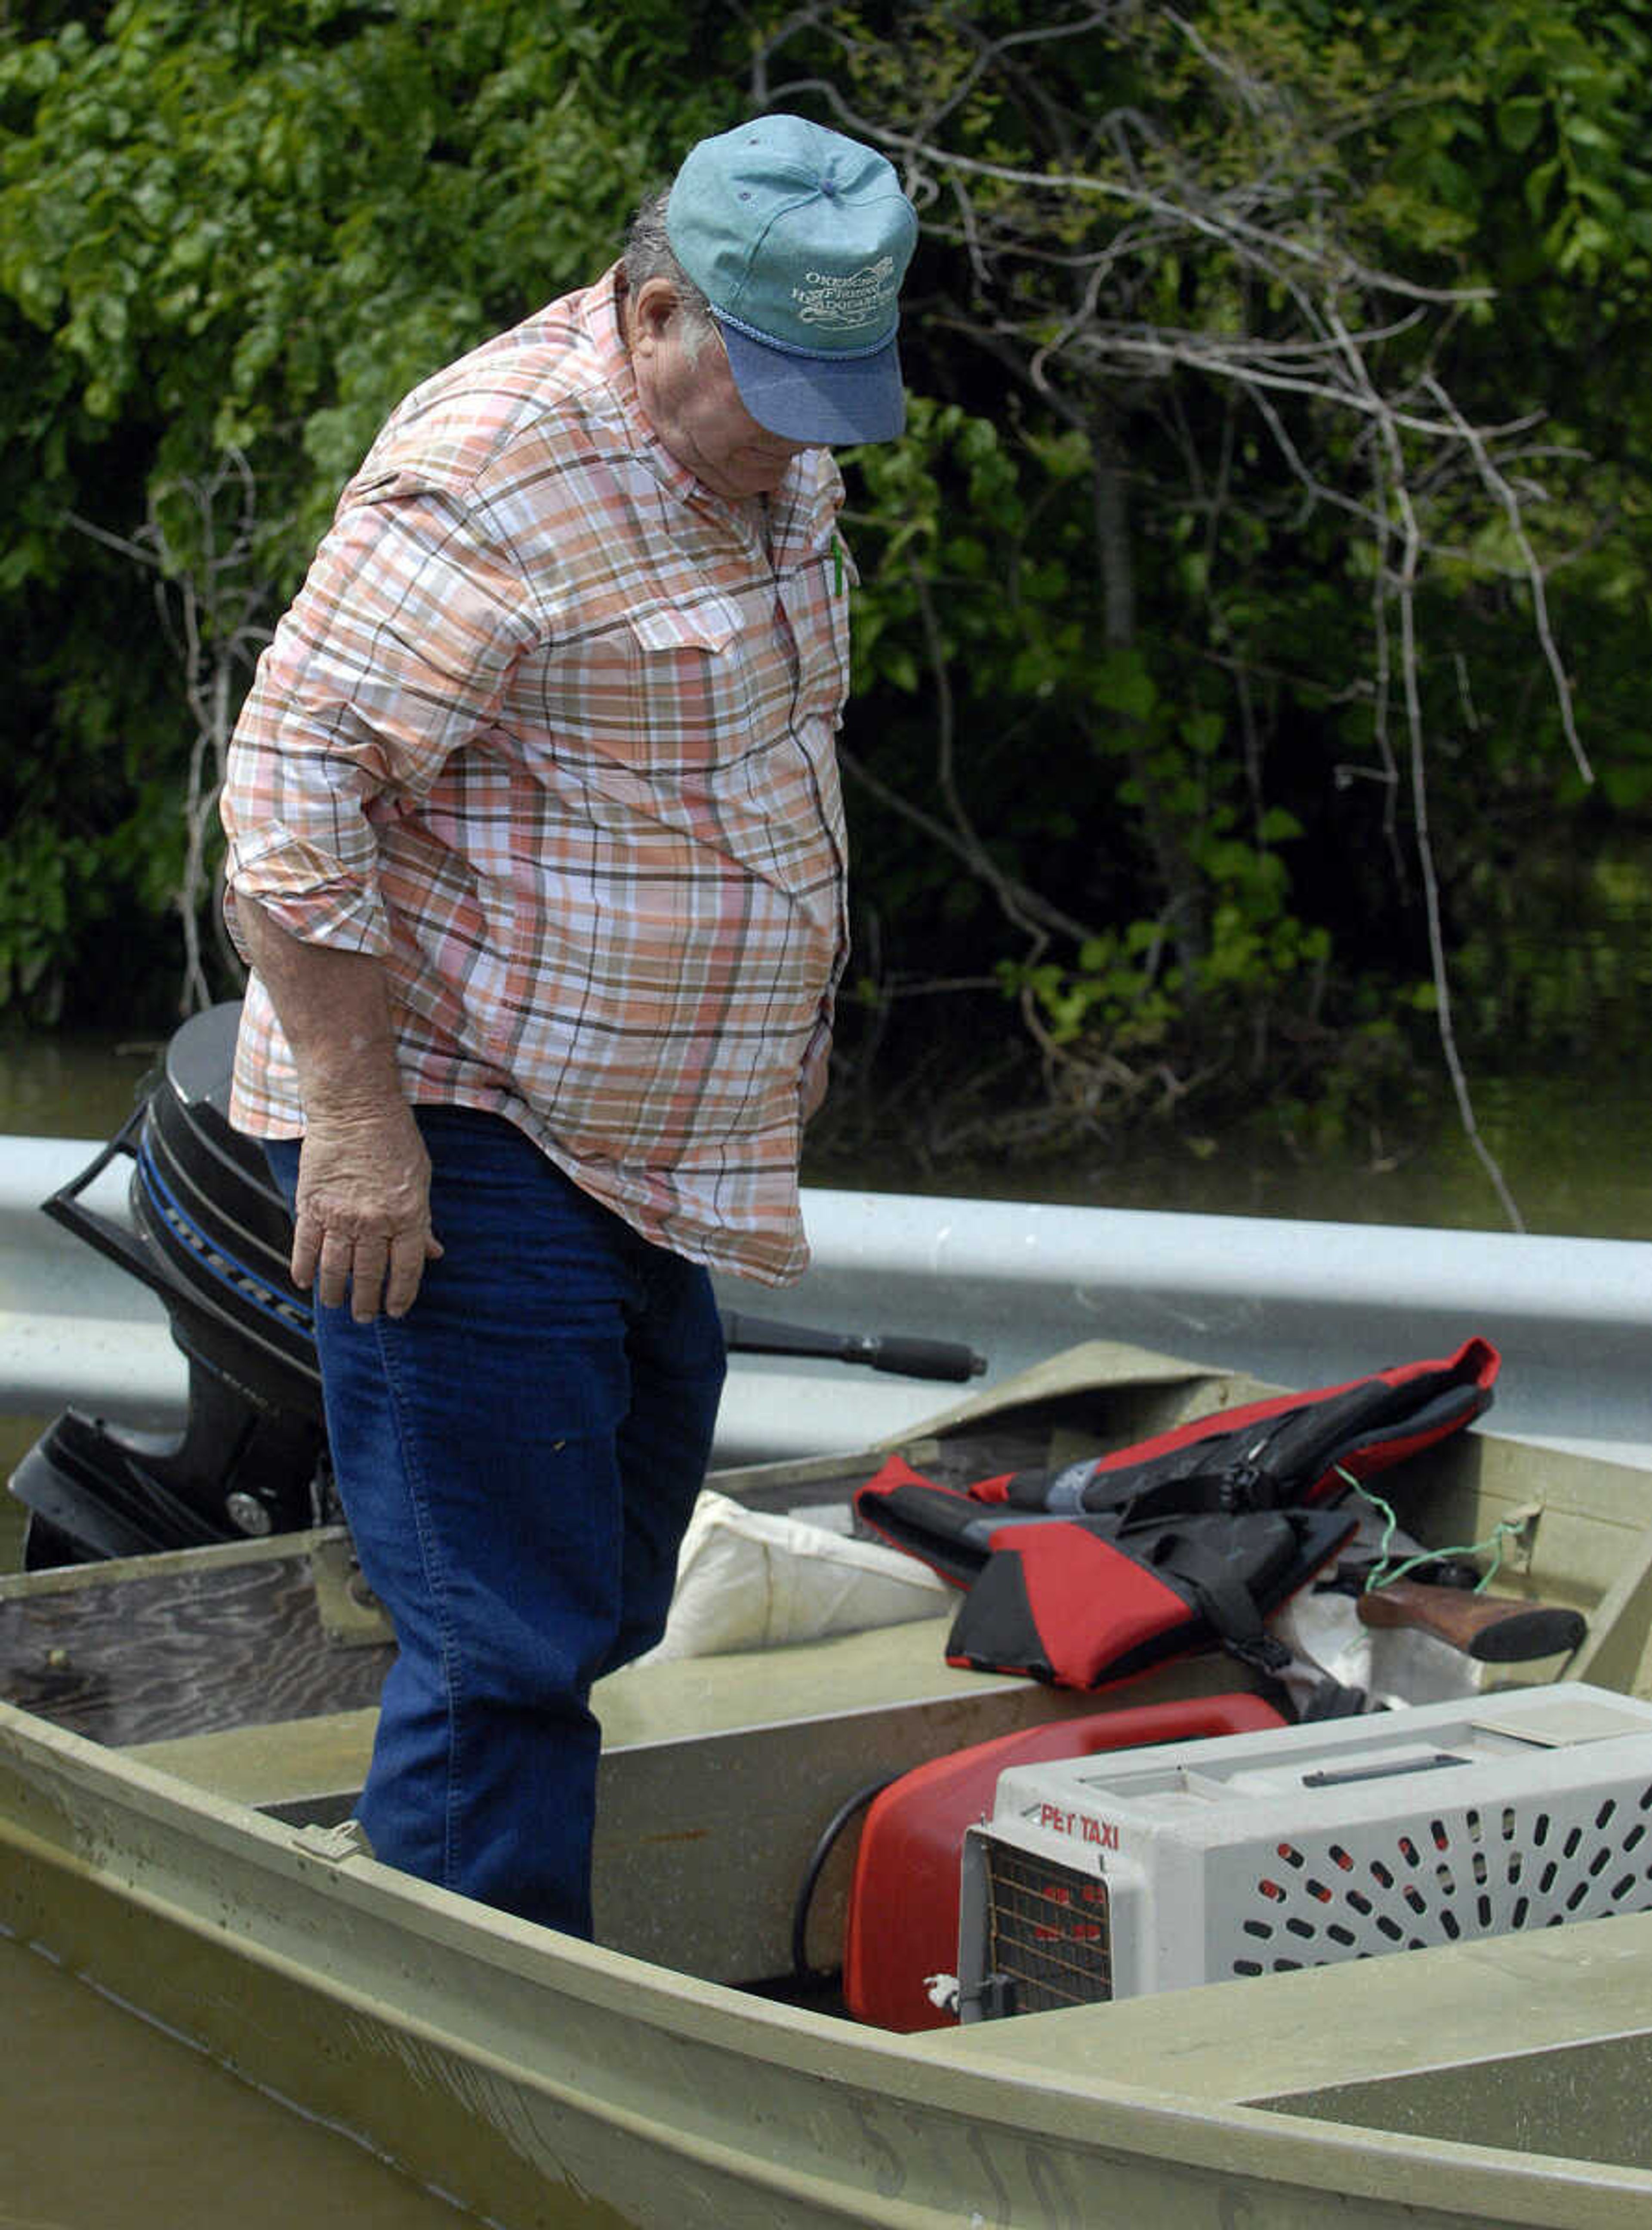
[{"x": 517, "y": 1458}]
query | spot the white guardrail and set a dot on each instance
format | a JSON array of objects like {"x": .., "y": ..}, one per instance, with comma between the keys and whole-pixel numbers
[{"x": 1300, "y": 1304}]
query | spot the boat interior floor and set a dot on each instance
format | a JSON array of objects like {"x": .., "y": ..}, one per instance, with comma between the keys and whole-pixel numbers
[{"x": 252, "y": 1671}]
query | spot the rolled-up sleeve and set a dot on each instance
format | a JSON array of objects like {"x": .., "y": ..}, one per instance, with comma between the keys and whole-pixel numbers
[{"x": 398, "y": 648}]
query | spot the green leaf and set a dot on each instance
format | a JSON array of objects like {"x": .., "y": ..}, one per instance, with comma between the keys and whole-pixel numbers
[
  {"x": 1538, "y": 184},
  {"x": 1520, "y": 121},
  {"x": 1123, "y": 684}
]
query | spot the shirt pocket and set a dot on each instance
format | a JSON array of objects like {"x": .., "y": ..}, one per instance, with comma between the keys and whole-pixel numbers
[
  {"x": 816, "y": 598},
  {"x": 710, "y": 626},
  {"x": 701, "y": 695},
  {"x": 666, "y": 690}
]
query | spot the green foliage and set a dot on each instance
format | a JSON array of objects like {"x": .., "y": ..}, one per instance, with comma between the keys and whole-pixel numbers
[
  {"x": 48, "y": 883},
  {"x": 1195, "y": 744},
  {"x": 255, "y": 227},
  {"x": 1129, "y": 731},
  {"x": 976, "y": 560},
  {"x": 258, "y": 225}
]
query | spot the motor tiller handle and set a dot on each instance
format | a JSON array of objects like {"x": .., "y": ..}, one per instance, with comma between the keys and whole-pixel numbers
[{"x": 891, "y": 1351}]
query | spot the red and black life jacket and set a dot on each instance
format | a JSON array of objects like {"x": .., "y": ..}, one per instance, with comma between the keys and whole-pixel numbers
[{"x": 1089, "y": 1574}]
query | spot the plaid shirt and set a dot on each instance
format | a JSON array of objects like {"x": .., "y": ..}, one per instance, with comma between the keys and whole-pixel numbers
[{"x": 548, "y": 730}]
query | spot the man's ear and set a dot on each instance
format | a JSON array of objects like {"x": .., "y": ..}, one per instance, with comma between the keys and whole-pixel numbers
[{"x": 653, "y": 307}]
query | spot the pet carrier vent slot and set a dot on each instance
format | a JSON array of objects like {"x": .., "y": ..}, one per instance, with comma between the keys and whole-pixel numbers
[{"x": 1444, "y": 1882}]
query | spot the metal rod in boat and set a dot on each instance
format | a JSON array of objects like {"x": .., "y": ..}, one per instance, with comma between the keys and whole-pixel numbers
[{"x": 892, "y": 1351}]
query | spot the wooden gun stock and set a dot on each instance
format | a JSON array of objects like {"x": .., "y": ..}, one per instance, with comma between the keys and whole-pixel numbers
[{"x": 1494, "y": 1629}]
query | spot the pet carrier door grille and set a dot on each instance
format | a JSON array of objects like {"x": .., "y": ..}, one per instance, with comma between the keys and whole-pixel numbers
[
  {"x": 1256, "y": 1854},
  {"x": 1051, "y": 1939}
]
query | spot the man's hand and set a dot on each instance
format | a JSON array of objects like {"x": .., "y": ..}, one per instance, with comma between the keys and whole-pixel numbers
[
  {"x": 362, "y": 1218},
  {"x": 361, "y": 1222}
]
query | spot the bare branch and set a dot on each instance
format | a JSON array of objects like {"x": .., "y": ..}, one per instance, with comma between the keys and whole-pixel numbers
[
  {"x": 1411, "y": 560},
  {"x": 1503, "y": 492},
  {"x": 1223, "y": 226},
  {"x": 212, "y": 599}
]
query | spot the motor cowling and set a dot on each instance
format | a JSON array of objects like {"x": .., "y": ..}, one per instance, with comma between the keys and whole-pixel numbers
[{"x": 210, "y": 1234}]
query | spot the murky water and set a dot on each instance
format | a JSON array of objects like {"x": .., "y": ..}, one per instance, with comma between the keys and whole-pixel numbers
[
  {"x": 71, "y": 1087},
  {"x": 107, "y": 2124},
  {"x": 1571, "y": 1150},
  {"x": 1570, "y": 1146}
]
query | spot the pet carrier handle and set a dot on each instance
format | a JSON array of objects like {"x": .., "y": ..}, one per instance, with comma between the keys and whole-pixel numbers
[
  {"x": 111, "y": 1238},
  {"x": 892, "y": 1351},
  {"x": 1392, "y": 1770}
]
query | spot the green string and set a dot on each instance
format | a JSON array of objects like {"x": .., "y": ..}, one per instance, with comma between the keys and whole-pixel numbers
[{"x": 1380, "y": 1576}]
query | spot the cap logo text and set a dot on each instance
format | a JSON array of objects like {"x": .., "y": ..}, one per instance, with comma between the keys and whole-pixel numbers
[{"x": 848, "y": 300}]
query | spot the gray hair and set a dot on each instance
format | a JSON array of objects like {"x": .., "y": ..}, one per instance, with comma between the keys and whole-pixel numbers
[{"x": 649, "y": 255}]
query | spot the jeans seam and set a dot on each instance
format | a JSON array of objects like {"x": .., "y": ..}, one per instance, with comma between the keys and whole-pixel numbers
[{"x": 435, "y": 1569}]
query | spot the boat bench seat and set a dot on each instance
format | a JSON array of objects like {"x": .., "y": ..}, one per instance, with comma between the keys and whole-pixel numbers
[{"x": 1535, "y": 2040}]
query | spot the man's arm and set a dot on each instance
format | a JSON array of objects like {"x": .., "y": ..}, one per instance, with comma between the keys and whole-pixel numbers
[{"x": 363, "y": 1217}]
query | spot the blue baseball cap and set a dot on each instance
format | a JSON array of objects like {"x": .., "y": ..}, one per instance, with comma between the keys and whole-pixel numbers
[{"x": 799, "y": 239}]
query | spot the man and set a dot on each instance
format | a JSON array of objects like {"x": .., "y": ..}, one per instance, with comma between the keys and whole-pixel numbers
[{"x": 536, "y": 847}]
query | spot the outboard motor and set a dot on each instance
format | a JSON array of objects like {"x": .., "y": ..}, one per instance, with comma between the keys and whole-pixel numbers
[{"x": 211, "y": 1235}]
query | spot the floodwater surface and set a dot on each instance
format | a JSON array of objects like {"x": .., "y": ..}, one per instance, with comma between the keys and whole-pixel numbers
[{"x": 109, "y": 2124}]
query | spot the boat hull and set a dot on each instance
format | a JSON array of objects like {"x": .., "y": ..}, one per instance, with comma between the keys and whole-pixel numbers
[
  {"x": 199, "y": 1873},
  {"x": 544, "y": 2083}
]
